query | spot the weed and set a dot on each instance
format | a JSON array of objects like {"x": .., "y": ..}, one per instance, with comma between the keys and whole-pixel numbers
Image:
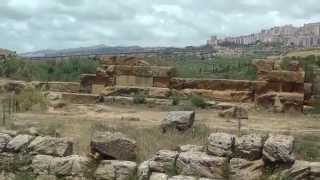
[{"x": 198, "y": 101}]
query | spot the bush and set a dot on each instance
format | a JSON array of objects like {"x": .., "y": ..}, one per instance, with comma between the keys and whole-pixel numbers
[
  {"x": 198, "y": 101},
  {"x": 139, "y": 99},
  {"x": 175, "y": 100},
  {"x": 30, "y": 97}
]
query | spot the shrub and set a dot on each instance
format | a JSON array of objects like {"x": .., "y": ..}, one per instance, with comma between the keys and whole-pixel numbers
[
  {"x": 198, "y": 101},
  {"x": 139, "y": 99},
  {"x": 175, "y": 100}
]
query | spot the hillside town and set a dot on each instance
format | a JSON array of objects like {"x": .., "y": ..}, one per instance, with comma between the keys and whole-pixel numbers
[{"x": 306, "y": 36}]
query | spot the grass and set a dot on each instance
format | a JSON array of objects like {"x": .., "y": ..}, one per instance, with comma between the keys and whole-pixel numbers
[
  {"x": 29, "y": 98},
  {"x": 307, "y": 147},
  {"x": 151, "y": 140},
  {"x": 198, "y": 101}
]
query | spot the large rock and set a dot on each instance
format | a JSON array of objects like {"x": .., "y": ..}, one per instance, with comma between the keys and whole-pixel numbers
[
  {"x": 300, "y": 170},
  {"x": 60, "y": 166},
  {"x": 315, "y": 170},
  {"x": 180, "y": 120},
  {"x": 220, "y": 144},
  {"x": 279, "y": 148},
  {"x": 241, "y": 169},
  {"x": 144, "y": 171},
  {"x": 70, "y": 166},
  {"x": 201, "y": 165},
  {"x": 113, "y": 146},
  {"x": 19, "y": 142},
  {"x": 163, "y": 161},
  {"x": 4, "y": 140},
  {"x": 115, "y": 170},
  {"x": 158, "y": 176},
  {"x": 249, "y": 147},
  {"x": 51, "y": 146},
  {"x": 182, "y": 178}
]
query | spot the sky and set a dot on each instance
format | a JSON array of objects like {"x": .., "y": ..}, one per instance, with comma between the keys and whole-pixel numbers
[{"x": 28, "y": 25}]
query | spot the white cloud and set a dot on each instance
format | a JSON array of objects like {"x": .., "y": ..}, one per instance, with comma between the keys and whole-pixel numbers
[{"x": 37, "y": 24}]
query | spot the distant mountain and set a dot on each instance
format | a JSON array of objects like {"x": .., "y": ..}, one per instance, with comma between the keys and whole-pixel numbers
[{"x": 92, "y": 50}]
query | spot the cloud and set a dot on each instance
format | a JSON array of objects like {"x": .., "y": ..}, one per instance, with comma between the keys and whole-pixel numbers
[{"x": 36, "y": 24}]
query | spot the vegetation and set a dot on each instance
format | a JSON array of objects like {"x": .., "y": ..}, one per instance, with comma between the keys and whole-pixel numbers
[
  {"x": 219, "y": 67},
  {"x": 307, "y": 147},
  {"x": 139, "y": 99},
  {"x": 198, "y": 101},
  {"x": 66, "y": 70}
]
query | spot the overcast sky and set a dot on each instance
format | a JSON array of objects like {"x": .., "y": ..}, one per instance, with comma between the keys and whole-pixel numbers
[{"x": 27, "y": 25}]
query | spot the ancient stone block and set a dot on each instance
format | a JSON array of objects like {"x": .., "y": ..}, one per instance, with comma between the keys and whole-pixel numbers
[
  {"x": 19, "y": 142},
  {"x": 164, "y": 161},
  {"x": 51, "y": 146},
  {"x": 241, "y": 169},
  {"x": 220, "y": 144},
  {"x": 282, "y": 76},
  {"x": 279, "y": 148},
  {"x": 180, "y": 120},
  {"x": 71, "y": 87},
  {"x": 113, "y": 146},
  {"x": 86, "y": 81},
  {"x": 249, "y": 147},
  {"x": 200, "y": 164},
  {"x": 117, "y": 170}
]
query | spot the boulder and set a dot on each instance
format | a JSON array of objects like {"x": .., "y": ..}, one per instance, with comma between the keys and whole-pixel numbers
[
  {"x": 249, "y": 147},
  {"x": 189, "y": 147},
  {"x": 4, "y": 140},
  {"x": 164, "y": 161},
  {"x": 158, "y": 176},
  {"x": 116, "y": 170},
  {"x": 144, "y": 171},
  {"x": 113, "y": 146},
  {"x": 201, "y": 164},
  {"x": 300, "y": 170},
  {"x": 70, "y": 166},
  {"x": 180, "y": 120},
  {"x": 182, "y": 178},
  {"x": 241, "y": 169},
  {"x": 51, "y": 146},
  {"x": 60, "y": 166},
  {"x": 19, "y": 142},
  {"x": 42, "y": 164},
  {"x": 279, "y": 148},
  {"x": 236, "y": 112},
  {"x": 220, "y": 144}
]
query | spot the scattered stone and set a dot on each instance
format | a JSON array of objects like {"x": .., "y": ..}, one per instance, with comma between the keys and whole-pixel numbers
[
  {"x": 279, "y": 148},
  {"x": 163, "y": 161},
  {"x": 158, "y": 176},
  {"x": 249, "y": 147},
  {"x": 113, "y": 146},
  {"x": 4, "y": 140},
  {"x": 58, "y": 104},
  {"x": 117, "y": 170},
  {"x": 7, "y": 176},
  {"x": 182, "y": 178},
  {"x": 11, "y": 133},
  {"x": 220, "y": 144},
  {"x": 51, "y": 146},
  {"x": 241, "y": 169},
  {"x": 189, "y": 147},
  {"x": 201, "y": 164},
  {"x": 180, "y": 120},
  {"x": 19, "y": 142},
  {"x": 144, "y": 171}
]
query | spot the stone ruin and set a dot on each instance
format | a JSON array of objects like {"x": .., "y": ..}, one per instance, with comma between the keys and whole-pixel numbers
[
  {"x": 113, "y": 156},
  {"x": 274, "y": 88}
]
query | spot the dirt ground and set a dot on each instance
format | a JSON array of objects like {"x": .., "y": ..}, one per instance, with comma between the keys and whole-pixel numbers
[{"x": 78, "y": 121}]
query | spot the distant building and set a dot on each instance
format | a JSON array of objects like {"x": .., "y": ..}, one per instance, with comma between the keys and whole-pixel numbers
[{"x": 306, "y": 36}]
